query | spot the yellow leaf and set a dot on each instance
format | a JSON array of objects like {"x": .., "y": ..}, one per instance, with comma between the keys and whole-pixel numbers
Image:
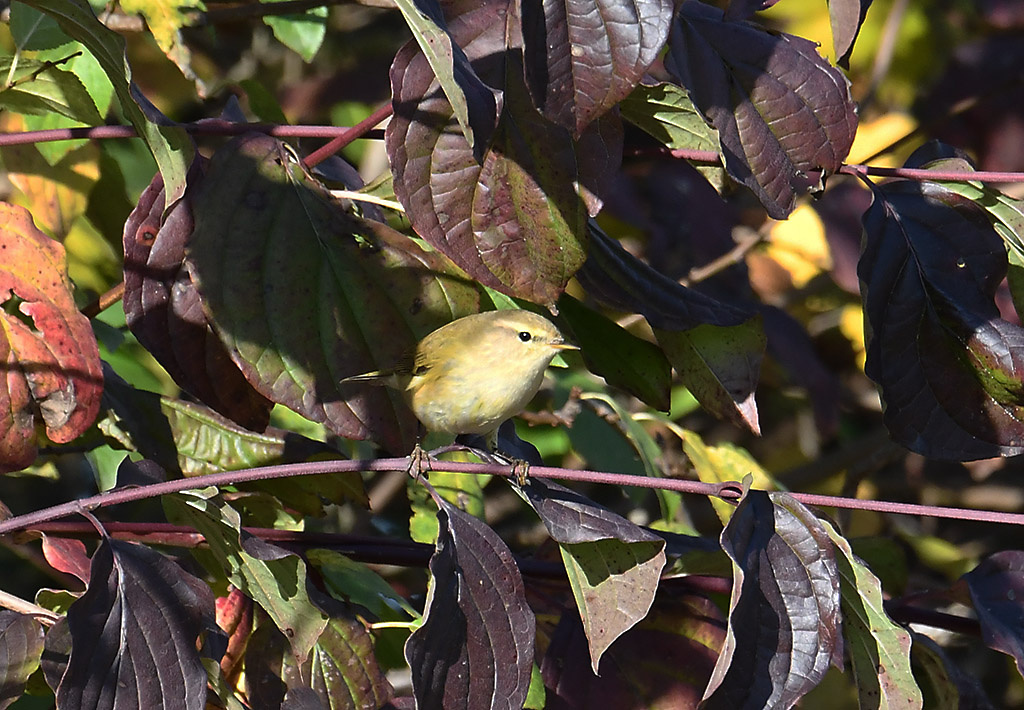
[{"x": 798, "y": 245}]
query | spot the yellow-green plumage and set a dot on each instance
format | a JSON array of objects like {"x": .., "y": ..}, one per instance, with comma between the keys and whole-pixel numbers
[{"x": 470, "y": 375}]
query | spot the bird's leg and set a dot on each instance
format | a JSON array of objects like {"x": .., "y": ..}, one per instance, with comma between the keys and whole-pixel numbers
[{"x": 419, "y": 459}]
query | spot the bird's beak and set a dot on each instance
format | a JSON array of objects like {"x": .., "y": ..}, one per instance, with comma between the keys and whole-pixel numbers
[{"x": 565, "y": 346}]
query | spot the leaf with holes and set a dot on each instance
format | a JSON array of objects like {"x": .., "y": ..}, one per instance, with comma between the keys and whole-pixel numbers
[
  {"x": 584, "y": 56},
  {"x": 163, "y": 310},
  {"x": 613, "y": 565},
  {"x": 21, "y": 645},
  {"x": 474, "y": 649},
  {"x": 784, "y": 116},
  {"x": 949, "y": 368},
  {"x": 784, "y": 614},
  {"x": 52, "y": 373},
  {"x": 134, "y": 633},
  {"x": 337, "y": 295},
  {"x": 515, "y": 218},
  {"x": 879, "y": 648}
]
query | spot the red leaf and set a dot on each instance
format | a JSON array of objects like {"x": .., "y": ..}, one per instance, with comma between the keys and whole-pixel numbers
[{"x": 47, "y": 348}]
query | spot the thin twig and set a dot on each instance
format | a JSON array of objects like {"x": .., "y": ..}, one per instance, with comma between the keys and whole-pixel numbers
[
  {"x": 723, "y": 262},
  {"x": 104, "y": 301},
  {"x": 359, "y": 130},
  {"x": 45, "y": 616}
]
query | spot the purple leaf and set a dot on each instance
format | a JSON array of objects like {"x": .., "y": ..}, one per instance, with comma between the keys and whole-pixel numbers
[
  {"x": 134, "y": 633},
  {"x": 21, "y": 645},
  {"x": 474, "y": 649},
  {"x": 514, "y": 219},
  {"x": 162, "y": 309},
  {"x": 784, "y": 116},
  {"x": 742, "y": 9},
  {"x": 846, "y": 18},
  {"x": 996, "y": 587},
  {"x": 584, "y": 56},
  {"x": 303, "y": 294},
  {"x": 949, "y": 368},
  {"x": 784, "y": 618}
]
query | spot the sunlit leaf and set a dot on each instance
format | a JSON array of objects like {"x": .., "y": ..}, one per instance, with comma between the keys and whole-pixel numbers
[
  {"x": 879, "y": 648},
  {"x": 475, "y": 647},
  {"x": 48, "y": 348},
  {"x": 784, "y": 618},
  {"x": 784, "y": 116},
  {"x": 277, "y": 583},
  {"x": 584, "y": 56},
  {"x": 37, "y": 87},
  {"x": 303, "y": 33},
  {"x": 613, "y": 565}
]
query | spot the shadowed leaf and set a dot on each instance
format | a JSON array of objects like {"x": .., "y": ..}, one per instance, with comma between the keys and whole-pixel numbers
[
  {"x": 784, "y": 619},
  {"x": 276, "y": 580},
  {"x": 52, "y": 365},
  {"x": 784, "y": 116},
  {"x": 584, "y": 56},
  {"x": 163, "y": 310},
  {"x": 678, "y": 643},
  {"x": 949, "y": 368},
  {"x": 717, "y": 347},
  {"x": 474, "y": 649},
  {"x": 613, "y": 565},
  {"x": 879, "y": 648},
  {"x": 996, "y": 587},
  {"x": 338, "y": 296},
  {"x": 341, "y": 670},
  {"x": 134, "y": 634},
  {"x": 21, "y": 645}
]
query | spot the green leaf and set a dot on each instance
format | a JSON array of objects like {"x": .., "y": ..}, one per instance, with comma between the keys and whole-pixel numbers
[
  {"x": 33, "y": 31},
  {"x": 39, "y": 88},
  {"x": 276, "y": 581},
  {"x": 170, "y": 145},
  {"x": 878, "y": 647},
  {"x": 348, "y": 580},
  {"x": 621, "y": 358},
  {"x": 303, "y": 33},
  {"x": 666, "y": 112},
  {"x": 164, "y": 19}
]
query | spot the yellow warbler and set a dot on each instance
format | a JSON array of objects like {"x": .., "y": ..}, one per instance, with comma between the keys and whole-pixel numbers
[{"x": 470, "y": 375}]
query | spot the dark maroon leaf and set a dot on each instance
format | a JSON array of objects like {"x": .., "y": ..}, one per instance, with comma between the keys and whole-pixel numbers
[
  {"x": 163, "y": 309},
  {"x": 304, "y": 295},
  {"x": 56, "y": 651},
  {"x": 134, "y": 633},
  {"x": 996, "y": 587},
  {"x": 678, "y": 642},
  {"x": 572, "y": 518},
  {"x": 474, "y": 649},
  {"x": 584, "y": 56},
  {"x": 514, "y": 219},
  {"x": 21, "y": 645},
  {"x": 945, "y": 685},
  {"x": 742, "y": 9},
  {"x": 784, "y": 619},
  {"x": 841, "y": 208},
  {"x": 784, "y": 116},
  {"x": 949, "y": 368},
  {"x": 846, "y": 18}
]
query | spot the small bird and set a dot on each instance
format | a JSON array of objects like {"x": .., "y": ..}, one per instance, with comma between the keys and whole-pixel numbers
[{"x": 470, "y": 375}]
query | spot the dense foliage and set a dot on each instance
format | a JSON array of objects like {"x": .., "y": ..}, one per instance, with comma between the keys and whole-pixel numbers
[{"x": 189, "y": 273}]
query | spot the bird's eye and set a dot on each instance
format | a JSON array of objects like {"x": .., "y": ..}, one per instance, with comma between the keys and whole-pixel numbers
[{"x": 525, "y": 336}]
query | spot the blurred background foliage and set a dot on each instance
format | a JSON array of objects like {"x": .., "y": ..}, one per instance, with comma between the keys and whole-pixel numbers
[{"x": 921, "y": 69}]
